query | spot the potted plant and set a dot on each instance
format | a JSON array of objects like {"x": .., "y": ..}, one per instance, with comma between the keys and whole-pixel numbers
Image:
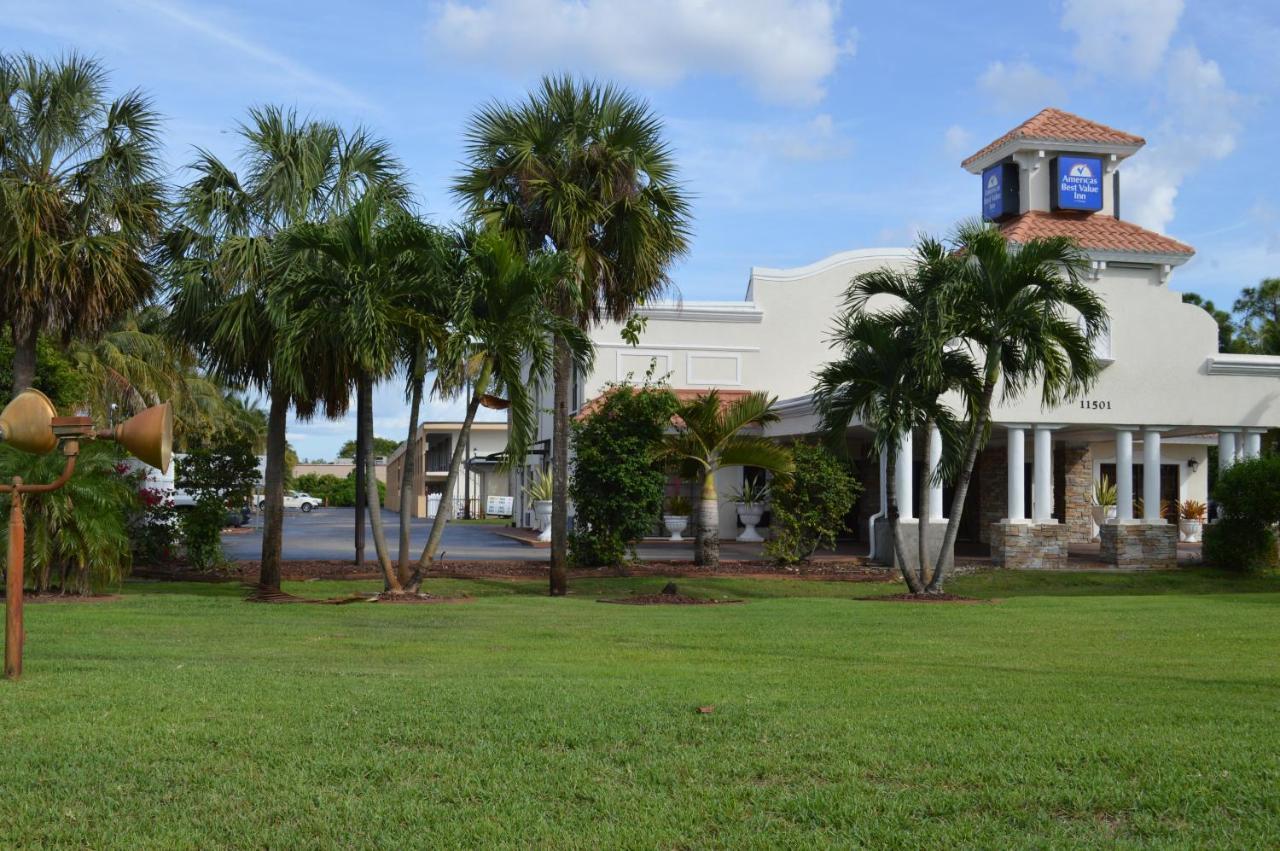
[
  {"x": 676, "y": 518},
  {"x": 1104, "y": 501},
  {"x": 539, "y": 491},
  {"x": 1191, "y": 514},
  {"x": 751, "y": 499}
]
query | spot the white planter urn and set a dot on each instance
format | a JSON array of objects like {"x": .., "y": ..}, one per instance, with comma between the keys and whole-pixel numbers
[
  {"x": 542, "y": 513},
  {"x": 749, "y": 514},
  {"x": 676, "y": 524},
  {"x": 1190, "y": 530},
  {"x": 1102, "y": 513}
]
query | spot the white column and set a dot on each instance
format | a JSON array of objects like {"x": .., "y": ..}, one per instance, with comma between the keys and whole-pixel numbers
[
  {"x": 1226, "y": 449},
  {"x": 906, "y": 497},
  {"x": 935, "y": 488},
  {"x": 1017, "y": 511},
  {"x": 1042, "y": 477},
  {"x": 1151, "y": 476},
  {"x": 1124, "y": 475},
  {"x": 1252, "y": 444}
]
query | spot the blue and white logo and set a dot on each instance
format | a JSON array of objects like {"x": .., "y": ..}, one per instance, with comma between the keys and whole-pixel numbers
[
  {"x": 999, "y": 192},
  {"x": 1077, "y": 183}
]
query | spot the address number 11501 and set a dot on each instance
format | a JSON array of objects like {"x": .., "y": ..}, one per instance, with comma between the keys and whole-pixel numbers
[{"x": 1095, "y": 404}]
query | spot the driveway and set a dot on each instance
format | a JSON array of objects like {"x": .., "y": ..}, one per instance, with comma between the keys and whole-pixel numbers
[{"x": 326, "y": 534}]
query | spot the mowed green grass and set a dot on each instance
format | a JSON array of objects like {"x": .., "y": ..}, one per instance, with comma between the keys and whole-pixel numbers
[{"x": 1134, "y": 710}]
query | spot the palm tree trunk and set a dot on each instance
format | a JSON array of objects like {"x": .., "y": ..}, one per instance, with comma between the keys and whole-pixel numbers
[
  {"x": 891, "y": 496},
  {"x": 24, "y": 359},
  {"x": 707, "y": 551},
  {"x": 945, "y": 555},
  {"x": 408, "y": 468},
  {"x": 390, "y": 580},
  {"x": 563, "y": 379},
  {"x": 273, "y": 492},
  {"x": 455, "y": 464},
  {"x": 362, "y": 473}
]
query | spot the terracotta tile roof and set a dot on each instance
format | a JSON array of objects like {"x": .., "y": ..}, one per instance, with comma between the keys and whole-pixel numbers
[
  {"x": 1097, "y": 231},
  {"x": 683, "y": 394},
  {"x": 1054, "y": 125}
]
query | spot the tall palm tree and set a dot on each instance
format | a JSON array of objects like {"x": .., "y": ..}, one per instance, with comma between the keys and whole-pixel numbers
[
  {"x": 876, "y": 381},
  {"x": 219, "y": 257},
  {"x": 709, "y": 436},
  {"x": 579, "y": 169},
  {"x": 1031, "y": 319},
  {"x": 499, "y": 347},
  {"x": 921, "y": 314},
  {"x": 344, "y": 305},
  {"x": 81, "y": 202}
]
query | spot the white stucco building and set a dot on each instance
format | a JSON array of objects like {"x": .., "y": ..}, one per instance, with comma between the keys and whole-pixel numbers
[
  {"x": 433, "y": 447},
  {"x": 1165, "y": 394}
]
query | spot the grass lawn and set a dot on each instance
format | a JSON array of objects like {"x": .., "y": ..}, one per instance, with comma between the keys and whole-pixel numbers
[{"x": 1082, "y": 709}]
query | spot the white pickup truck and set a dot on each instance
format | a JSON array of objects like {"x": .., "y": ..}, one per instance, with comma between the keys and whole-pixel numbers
[{"x": 304, "y": 502}]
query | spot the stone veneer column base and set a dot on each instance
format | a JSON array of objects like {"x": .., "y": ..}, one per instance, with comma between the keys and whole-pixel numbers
[
  {"x": 1029, "y": 546},
  {"x": 1140, "y": 545}
]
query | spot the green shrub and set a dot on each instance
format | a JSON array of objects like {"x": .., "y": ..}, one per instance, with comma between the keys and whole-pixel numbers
[
  {"x": 333, "y": 490},
  {"x": 615, "y": 485},
  {"x": 77, "y": 537},
  {"x": 810, "y": 505},
  {"x": 1251, "y": 489},
  {"x": 1240, "y": 545},
  {"x": 221, "y": 475},
  {"x": 1248, "y": 495}
]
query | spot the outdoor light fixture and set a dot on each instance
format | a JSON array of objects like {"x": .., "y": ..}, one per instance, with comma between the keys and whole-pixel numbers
[
  {"x": 31, "y": 424},
  {"x": 1193, "y": 464}
]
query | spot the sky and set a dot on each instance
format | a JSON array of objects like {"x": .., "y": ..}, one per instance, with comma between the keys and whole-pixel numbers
[{"x": 801, "y": 127}]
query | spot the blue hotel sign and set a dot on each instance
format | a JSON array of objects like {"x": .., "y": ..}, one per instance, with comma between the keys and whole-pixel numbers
[
  {"x": 1077, "y": 183},
  {"x": 1000, "y": 191}
]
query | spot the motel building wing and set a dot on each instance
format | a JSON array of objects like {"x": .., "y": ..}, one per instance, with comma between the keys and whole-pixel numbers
[{"x": 1165, "y": 394}]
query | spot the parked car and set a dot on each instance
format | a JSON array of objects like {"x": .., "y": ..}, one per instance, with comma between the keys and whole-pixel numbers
[{"x": 304, "y": 502}]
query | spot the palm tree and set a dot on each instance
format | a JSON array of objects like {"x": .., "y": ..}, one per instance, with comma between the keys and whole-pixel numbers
[
  {"x": 134, "y": 364},
  {"x": 81, "y": 202},
  {"x": 344, "y": 305},
  {"x": 922, "y": 320},
  {"x": 1032, "y": 320},
  {"x": 877, "y": 381},
  {"x": 219, "y": 257},
  {"x": 500, "y": 345},
  {"x": 709, "y": 436},
  {"x": 582, "y": 170}
]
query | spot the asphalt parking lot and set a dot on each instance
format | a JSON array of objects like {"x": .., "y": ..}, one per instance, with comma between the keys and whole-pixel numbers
[{"x": 327, "y": 533}]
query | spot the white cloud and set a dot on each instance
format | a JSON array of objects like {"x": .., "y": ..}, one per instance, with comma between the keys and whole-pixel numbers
[
  {"x": 1121, "y": 37},
  {"x": 1201, "y": 126},
  {"x": 815, "y": 141},
  {"x": 957, "y": 141},
  {"x": 199, "y": 22},
  {"x": 1019, "y": 86},
  {"x": 786, "y": 49}
]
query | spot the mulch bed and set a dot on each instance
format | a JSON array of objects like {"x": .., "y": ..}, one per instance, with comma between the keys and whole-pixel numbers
[
  {"x": 852, "y": 570},
  {"x": 667, "y": 600},
  {"x": 926, "y": 598},
  {"x": 59, "y": 597}
]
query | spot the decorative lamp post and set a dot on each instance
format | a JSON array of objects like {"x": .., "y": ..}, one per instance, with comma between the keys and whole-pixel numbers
[{"x": 30, "y": 423}]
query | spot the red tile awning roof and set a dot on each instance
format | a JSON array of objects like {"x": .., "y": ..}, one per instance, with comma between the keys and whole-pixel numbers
[
  {"x": 682, "y": 394},
  {"x": 1098, "y": 232},
  {"x": 1054, "y": 125}
]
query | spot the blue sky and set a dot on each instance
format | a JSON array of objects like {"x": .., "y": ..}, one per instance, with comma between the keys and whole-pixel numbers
[{"x": 803, "y": 127}]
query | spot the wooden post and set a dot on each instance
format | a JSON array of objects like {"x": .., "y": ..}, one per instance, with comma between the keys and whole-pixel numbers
[{"x": 13, "y": 634}]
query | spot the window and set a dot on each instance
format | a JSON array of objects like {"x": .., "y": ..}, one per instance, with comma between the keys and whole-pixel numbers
[{"x": 1101, "y": 343}]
